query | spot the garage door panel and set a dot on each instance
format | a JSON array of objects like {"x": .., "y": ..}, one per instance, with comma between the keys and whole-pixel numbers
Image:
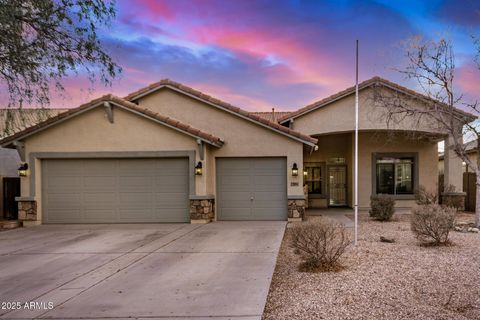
[
  {"x": 136, "y": 167},
  {"x": 99, "y": 183},
  {"x": 62, "y": 216},
  {"x": 277, "y": 197},
  {"x": 64, "y": 200},
  {"x": 172, "y": 183},
  {"x": 115, "y": 190},
  {"x": 64, "y": 184},
  {"x": 135, "y": 183},
  {"x": 98, "y": 167},
  {"x": 178, "y": 187},
  {"x": 99, "y": 199},
  {"x": 136, "y": 199},
  {"x": 267, "y": 213},
  {"x": 262, "y": 179},
  {"x": 169, "y": 200},
  {"x": 170, "y": 167},
  {"x": 104, "y": 215},
  {"x": 136, "y": 214},
  {"x": 234, "y": 213},
  {"x": 63, "y": 168},
  {"x": 251, "y": 189},
  {"x": 236, "y": 196},
  {"x": 274, "y": 205},
  {"x": 170, "y": 214}
]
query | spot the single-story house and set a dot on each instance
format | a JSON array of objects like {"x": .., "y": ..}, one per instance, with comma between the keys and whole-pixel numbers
[{"x": 169, "y": 153}]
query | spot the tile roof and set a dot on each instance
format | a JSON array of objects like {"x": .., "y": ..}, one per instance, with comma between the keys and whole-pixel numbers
[
  {"x": 363, "y": 85},
  {"x": 15, "y": 120},
  {"x": 272, "y": 116},
  {"x": 123, "y": 103},
  {"x": 224, "y": 105}
]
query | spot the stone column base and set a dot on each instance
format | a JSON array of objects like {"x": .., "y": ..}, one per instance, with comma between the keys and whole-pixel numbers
[
  {"x": 202, "y": 210},
  {"x": 27, "y": 210},
  {"x": 296, "y": 209},
  {"x": 454, "y": 199}
]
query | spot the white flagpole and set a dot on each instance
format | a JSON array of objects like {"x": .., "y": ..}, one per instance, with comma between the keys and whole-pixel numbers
[{"x": 356, "y": 145}]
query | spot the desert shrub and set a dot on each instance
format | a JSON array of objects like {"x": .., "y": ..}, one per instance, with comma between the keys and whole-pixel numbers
[
  {"x": 432, "y": 223},
  {"x": 320, "y": 244},
  {"x": 456, "y": 203},
  {"x": 424, "y": 197},
  {"x": 452, "y": 201},
  {"x": 382, "y": 207}
]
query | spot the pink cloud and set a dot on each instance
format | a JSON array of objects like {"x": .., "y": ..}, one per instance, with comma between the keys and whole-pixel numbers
[{"x": 468, "y": 78}]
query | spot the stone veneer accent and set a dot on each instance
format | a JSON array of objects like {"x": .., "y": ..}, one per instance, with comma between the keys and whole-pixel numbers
[
  {"x": 202, "y": 210},
  {"x": 27, "y": 210},
  {"x": 296, "y": 209}
]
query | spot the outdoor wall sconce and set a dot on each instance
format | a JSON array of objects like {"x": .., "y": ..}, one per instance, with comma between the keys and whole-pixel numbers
[
  {"x": 198, "y": 168},
  {"x": 23, "y": 170},
  {"x": 294, "y": 170},
  {"x": 305, "y": 172}
]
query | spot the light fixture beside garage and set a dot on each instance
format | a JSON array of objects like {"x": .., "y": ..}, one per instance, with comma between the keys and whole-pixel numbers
[
  {"x": 23, "y": 170},
  {"x": 198, "y": 169},
  {"x": 294, "y": 170}
]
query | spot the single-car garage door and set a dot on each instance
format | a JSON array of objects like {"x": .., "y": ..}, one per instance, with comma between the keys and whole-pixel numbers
[
  {"x": 252, "y": 188},
  {"x": 115, "y": 190}
]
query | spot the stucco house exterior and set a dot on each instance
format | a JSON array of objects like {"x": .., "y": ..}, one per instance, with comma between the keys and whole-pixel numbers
[
  {"x": 169, "y": 153},
  {"x": 471, "y": 150}
]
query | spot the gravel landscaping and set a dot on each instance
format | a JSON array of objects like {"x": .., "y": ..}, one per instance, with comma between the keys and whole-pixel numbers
[{"x": 400, "y": 280}]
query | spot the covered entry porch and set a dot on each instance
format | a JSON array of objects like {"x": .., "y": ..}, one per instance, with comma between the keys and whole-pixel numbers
[
  {"x": 328, "y": 172},
  {"x": 393, "y": 163}
]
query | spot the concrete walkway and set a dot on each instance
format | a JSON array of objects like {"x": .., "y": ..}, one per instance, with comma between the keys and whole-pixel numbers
[
  {"x": 336, "y": 214},
  {"x": 220, "y": 270}
]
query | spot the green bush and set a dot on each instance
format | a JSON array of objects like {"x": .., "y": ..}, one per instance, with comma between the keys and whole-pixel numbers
[
  {"x": 320, "y": 244},
  {"x": 431, "y": 224},
  {"x": 382, "y": 207}
]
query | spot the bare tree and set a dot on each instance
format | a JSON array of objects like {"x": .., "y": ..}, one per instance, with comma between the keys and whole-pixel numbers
[{"x": 432, "y": 65}]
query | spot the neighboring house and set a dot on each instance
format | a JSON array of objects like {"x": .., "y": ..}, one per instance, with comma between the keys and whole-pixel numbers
[
  {"x": 470, "y": 148},
  {"x": 11, "y": 122},
  {"x": 169, "y": 153}
]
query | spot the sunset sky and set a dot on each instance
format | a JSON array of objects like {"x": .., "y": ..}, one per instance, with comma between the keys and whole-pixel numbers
[{"x": 282, "y": 54}]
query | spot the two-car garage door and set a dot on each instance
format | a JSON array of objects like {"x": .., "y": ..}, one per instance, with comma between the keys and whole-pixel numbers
[{"x": 115, "y": 190}]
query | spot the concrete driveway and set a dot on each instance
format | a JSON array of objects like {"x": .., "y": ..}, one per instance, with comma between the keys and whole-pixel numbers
[{"x": 221, "y": 270}]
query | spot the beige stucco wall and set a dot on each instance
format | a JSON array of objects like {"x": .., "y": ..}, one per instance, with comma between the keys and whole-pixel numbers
[
  {"x": 339, "y": 116},
  {"x": 341, "y": 145},
  {"x": 92, "y": 132},
  {"x": 472, "y": 156},
  {"x": 242, "y": 138},
  {"x": 383, "y": 143}
]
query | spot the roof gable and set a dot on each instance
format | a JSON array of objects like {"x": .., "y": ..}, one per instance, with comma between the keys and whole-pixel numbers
[
  {"x": 375, "y": 81},
  {"x": 217, "y": 103},
  {"x": 121, "y": 103}
]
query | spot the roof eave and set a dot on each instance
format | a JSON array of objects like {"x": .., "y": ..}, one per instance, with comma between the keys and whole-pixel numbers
[{"x": 174, "y": 88}]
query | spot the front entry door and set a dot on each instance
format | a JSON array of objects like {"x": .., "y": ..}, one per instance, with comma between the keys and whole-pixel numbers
[{"x": 337, "y": 185}]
